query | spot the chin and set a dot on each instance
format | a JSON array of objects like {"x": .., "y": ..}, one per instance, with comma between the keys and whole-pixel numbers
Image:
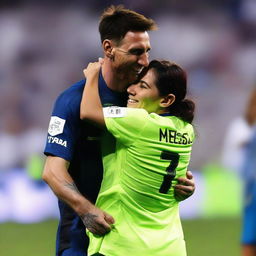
[{"x": 131, "y": 106}]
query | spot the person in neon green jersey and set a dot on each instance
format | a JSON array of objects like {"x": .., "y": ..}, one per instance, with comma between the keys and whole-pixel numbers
[{"x": 154, "y": 140}]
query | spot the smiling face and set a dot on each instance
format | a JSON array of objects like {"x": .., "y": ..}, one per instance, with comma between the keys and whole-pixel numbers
[
  {"x": 145, "y": 94},
  {"x": 131, "y": 55}
]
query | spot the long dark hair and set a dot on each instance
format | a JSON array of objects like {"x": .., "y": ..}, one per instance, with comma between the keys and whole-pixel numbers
[{"x": 172, "y": 79}]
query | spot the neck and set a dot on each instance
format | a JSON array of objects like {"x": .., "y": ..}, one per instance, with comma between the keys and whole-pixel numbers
[
  {"x": 112, "y": 79},
  {"x": 162, "y": 111}
]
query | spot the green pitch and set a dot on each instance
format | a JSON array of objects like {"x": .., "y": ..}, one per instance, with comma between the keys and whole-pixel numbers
[{"x": 211, "y": 237}]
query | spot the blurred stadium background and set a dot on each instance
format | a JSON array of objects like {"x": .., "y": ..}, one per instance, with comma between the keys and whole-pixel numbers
[{"x": 44, "y": 47}]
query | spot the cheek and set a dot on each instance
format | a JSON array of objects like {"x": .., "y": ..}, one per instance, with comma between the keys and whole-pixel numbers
[
  {"x": 150, "y": 101},
  {"x": 121, "y": 64},
  {"x": 146, "y": 101},
  {"x": 127, "y": 61}
]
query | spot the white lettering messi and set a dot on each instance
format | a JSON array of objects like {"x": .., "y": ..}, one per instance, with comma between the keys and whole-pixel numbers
[{"x": 57, "y": 140}]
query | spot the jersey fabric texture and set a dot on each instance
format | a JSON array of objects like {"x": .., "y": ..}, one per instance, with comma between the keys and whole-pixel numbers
[
  {"x": 249, "y": 175},
  {"x": 147, "y": 221},
  {"x": 79, "y": 143}
]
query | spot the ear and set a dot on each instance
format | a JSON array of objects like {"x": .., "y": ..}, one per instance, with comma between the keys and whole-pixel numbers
[
  {"x": 167, "y": 101},
  {"x": 108, "y": 48}
]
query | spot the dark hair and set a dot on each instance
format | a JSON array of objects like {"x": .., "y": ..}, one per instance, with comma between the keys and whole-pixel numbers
[
  {"x": 116, "y": 21},
  {"x": 172, "y": 79}
]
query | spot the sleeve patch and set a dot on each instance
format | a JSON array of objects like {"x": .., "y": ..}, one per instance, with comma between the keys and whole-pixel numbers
[
  {"x": 114, "y": 112},
  {"x": 56, "y": 125}
]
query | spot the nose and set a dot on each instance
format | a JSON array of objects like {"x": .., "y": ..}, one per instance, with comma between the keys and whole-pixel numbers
[
  {"x": 143, "y": 59},
  {"x": 131, "y": 90}
]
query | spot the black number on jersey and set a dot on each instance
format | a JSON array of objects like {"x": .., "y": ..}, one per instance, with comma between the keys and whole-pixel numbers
[{"x": 171, "y": 170}]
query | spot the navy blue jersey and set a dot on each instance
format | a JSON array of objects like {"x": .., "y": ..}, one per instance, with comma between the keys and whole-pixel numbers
[
  {"x": 249, "y": 176},
  {"x": 79, "y": 143}
]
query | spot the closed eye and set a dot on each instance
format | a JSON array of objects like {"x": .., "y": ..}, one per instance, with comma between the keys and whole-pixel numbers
[
  {"x": 138, "y": 51},
  {"x": 144, "y": 85}
]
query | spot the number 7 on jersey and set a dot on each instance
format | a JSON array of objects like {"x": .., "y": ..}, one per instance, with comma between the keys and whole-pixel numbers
[{"x": 171, "y": 170}]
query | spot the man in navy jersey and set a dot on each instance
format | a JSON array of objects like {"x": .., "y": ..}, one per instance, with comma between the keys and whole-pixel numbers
[{"x": 73, "y": 167}]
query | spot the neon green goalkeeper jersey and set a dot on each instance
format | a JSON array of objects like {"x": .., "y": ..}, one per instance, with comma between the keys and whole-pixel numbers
[{"x": 137, "y": 187}]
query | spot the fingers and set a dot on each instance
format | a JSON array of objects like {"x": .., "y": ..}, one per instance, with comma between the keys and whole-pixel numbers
[
  {"x": 185, "y": 187},
  {"x": 186, "y": 182},
  {"x": 93, "y": 67},
  {"x": 96, "y": 223},
  {"x": 109, "y": 219},
  {"x": 182, "y": 193},
  {"x": 100, "y": 60},
  {"x": 189, "y": 175},
  {"x": 99, "y": 229},
  {"x": 85, "y": 72}
]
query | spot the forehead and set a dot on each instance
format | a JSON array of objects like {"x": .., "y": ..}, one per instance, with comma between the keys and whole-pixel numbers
[
  {"x": 150, "y": 78},
  {"x": 135, "y": 39}
]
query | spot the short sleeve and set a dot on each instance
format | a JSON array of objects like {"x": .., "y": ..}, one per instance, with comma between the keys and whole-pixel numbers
[
  {"x": 63, "y": 127},
  {"x": 125, "y": 123}
]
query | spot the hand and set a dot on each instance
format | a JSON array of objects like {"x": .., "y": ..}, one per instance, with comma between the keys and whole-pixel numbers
[
  {"x": 97, "y": 221},
  {"x": 185, "y": 187},
  {"x": 100, "y": 60},
  {"x": 92, "y": 69}
]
